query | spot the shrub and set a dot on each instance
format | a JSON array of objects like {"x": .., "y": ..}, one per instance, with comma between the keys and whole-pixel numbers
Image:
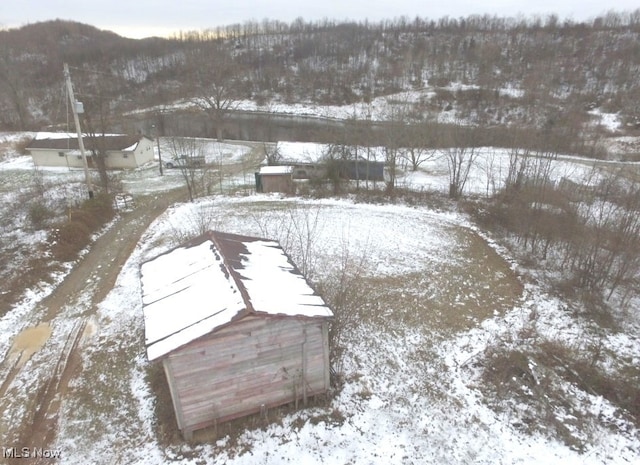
[
  {"x": 71, "y": 237},
  {"x": 68, "y": 239},
  {"x": 38, "y": 214},
  {"x": 21, "y": 145},
  {"x": 94, "y": 213},
  {"x": 100, "y": 207},
  {"x": 86, "y": 218}
]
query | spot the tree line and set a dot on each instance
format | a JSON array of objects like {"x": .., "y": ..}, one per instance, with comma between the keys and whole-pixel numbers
[{"x": 556, "y": 69}]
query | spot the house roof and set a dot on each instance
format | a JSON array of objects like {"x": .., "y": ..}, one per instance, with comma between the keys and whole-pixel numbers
[
  {"x": 66, "y": 141},
  {"x": 276, "y": 169},
  {"x": 215, "y": 279}
]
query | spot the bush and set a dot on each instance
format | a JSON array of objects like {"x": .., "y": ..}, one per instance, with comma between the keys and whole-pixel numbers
[
  {"x": 71, "y": 237},
  {"x": 100, "y": 208},
  {"x": 21, "y": 145},
  {"x": 68, "y": 239},
  {"x": 38, "y": 214},
  {"x": 94, "y": 213},
  {"x": 86, "y": 218}
]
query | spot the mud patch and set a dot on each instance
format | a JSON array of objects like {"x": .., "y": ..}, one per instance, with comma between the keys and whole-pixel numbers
[{"x": 28, "y": 342}]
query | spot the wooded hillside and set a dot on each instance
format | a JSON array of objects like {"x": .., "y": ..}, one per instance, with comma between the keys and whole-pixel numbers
[{"x": 536, "y": 72}]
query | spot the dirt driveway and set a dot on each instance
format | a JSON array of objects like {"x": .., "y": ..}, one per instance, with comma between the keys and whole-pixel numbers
[
  {"x": 46, "y": 356},
  {"x": 31, "y": 401}
]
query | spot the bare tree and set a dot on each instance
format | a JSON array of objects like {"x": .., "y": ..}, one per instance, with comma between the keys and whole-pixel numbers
[
  {"x": 204, "y": 218},
  {"x": 419, "y": 144},
  {"x": 333, "y": 158},
  {"x": 518, "y": 160},
  {"x": 491, "y": 171},
  {"x": 216, "y": 87},
  {"x": 344, "y": 290},
  {"x": 272, "y": 153},
  {"x": 97, "y": 138},
  {"x": 606, "y": 252},
  {"x": 297, "y": 230},
  {"x": 188, "y": 156},
  {"x": 11, "y": 85},
  {"x": 392, "y": 154},
  {"x": 461, "y": 156},
  {"x": 397, "y": 115}
]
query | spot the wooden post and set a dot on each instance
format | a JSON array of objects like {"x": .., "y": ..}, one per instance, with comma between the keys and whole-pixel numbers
[
  {"x": 326, "y": 358},
  {"x": 304, "y": 367}
]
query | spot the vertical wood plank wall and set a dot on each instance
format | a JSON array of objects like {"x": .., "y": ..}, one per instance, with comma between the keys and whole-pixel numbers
[{"x": 256, "y": 362}]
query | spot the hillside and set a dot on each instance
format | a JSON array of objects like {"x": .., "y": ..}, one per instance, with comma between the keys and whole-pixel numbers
[{"x": 533, "y": 73}]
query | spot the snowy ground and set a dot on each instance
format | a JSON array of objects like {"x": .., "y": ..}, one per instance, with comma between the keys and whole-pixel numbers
[
  {"x": 486, "y": 176},
  {"x": 407, "y": 398},
  {"x": 441, "y": 292}
]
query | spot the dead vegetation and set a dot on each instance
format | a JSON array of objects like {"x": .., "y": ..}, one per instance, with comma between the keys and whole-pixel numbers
[
  {"x": 555, "y": 389},
  {"x": 68, "y": 238},
  {"x": 587, "y": 231}
]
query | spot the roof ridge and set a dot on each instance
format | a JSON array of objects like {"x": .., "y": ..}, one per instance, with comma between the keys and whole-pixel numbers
[{"x": 234, "y": 275}]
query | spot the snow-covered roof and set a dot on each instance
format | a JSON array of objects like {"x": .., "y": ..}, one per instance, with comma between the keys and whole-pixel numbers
[
  {"x": 69, "y": 142},
  {"x": 214, "y": 279},
  {"x": 280, "y": 169}
]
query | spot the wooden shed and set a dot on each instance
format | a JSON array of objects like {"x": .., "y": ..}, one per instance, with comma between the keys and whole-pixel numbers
[
  {"x": 236, "y": 326},
  {"x": 277, "y": 178}
]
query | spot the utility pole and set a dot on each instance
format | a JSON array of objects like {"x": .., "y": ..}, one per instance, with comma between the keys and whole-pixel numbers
[
  {"x": 157, "y": 133},
  {"x": 74, "y": 108},
  {"x": 159, "y": 155}
]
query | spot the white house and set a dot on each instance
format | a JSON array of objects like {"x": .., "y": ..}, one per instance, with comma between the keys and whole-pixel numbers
[{"x": 62, "y": 149}]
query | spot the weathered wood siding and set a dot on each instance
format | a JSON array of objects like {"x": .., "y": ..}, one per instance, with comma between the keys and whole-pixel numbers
[
  {"x": 254, "y": 363},
  {"x": 278, "y": 183}
]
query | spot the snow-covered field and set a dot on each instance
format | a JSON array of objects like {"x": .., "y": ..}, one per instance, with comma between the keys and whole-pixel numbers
[
  {"x": 407, "y": 397},
  {"x": 486, "y": 176},
  {"x": 440, "y": 293}
]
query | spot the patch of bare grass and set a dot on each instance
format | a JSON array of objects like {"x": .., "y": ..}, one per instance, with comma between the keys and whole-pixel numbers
[
  {"x": 450, "y": 297},
  {"x": 546, "y": 389}
]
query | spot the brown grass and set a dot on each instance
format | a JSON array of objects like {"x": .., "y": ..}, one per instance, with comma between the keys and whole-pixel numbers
[
  {"x": 69, "y": 238},
  {"x": 450, "y": 297},
  {"x": 535, "y": 379},
  {"x": 40, "y": 270}
]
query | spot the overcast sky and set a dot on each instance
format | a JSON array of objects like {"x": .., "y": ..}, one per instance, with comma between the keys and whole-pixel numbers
[{"x": 143, "y": 18}]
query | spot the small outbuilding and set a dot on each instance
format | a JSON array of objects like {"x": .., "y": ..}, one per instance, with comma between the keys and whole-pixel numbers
[
  {"x": 278, "y": 178},
  {"x": 236, "y": 326},
  {"x": 62, "y": 149},
  {"x": 362, "y": 170}
]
